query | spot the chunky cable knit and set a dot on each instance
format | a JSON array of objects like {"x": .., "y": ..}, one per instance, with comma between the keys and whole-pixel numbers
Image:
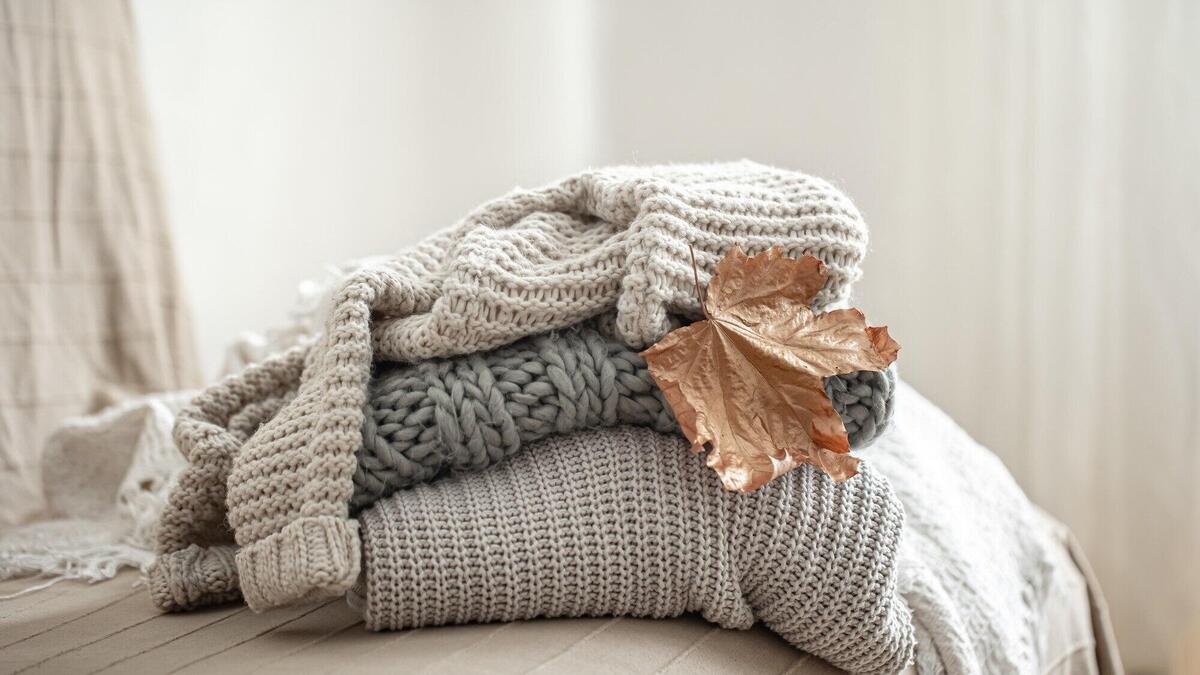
[
  {"x": 469, "y": 412},
  {"x": 530, "y": 262},
  {"x": 865, "y": 400},
  {"x": 627, "y": 522}
]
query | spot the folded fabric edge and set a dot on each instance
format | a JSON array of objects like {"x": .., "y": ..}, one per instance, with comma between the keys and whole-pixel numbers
[
  {"x": 310, "y": 559},
  {"x": 194, "y": 577}
]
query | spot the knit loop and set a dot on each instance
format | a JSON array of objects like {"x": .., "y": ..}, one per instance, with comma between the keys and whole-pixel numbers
[
  {"x": 463, "y": 414},
  {"x": 864, "y": 400}
]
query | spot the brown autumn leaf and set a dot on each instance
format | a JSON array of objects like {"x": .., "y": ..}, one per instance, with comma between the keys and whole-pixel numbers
[{"x": 748, "y": 379}]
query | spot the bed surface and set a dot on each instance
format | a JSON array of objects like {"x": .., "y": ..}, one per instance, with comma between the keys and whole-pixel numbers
[{"x": 111, "y": 627}]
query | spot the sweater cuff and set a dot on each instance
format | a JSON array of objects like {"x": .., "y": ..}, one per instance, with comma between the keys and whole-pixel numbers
[
  {"x": 193, "y": 577},
  {"x": 310, "y": 559}
]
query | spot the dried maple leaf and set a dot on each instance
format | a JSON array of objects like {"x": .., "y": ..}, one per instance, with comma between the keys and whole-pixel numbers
[{"x": 748, "y": 379}]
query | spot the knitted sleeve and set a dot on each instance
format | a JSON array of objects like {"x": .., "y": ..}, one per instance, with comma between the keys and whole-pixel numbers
[{"x": 627, "y": 522}]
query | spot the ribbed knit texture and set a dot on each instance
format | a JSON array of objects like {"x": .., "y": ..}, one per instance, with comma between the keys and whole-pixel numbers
[
  {"x": 628, "y": 522},
  {"x": 195, "y": 576},
  {"x": 469, "y": 412},
  {"x": 526, "y": 263}
]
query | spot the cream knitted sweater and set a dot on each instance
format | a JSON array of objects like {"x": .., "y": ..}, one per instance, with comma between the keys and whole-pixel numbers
[{"x": 262, "y": 508}]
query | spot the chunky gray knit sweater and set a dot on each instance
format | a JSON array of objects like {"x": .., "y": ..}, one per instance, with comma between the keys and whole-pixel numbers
[
  {"x": 626, "y": 521},
  {"x": 466, "y": 413}
]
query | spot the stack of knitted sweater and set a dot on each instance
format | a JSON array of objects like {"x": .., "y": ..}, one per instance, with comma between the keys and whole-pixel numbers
[{"x": 473, "y": 436}]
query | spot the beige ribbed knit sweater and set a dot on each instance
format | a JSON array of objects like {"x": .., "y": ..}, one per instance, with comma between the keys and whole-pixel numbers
[
  {"x": 263, "y": 507},
  {"x": 626, "y": 522}
]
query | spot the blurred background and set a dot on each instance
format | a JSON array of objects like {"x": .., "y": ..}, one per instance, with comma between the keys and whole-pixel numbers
[{"x": 1029, "y": 171}]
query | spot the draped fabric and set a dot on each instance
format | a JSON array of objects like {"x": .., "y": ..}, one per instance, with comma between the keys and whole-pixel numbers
[{"x": 90, "y": 310}]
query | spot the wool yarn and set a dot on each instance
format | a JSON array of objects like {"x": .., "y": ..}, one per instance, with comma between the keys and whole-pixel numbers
[
  {"x": 618, "y": 240},
  {"x": 466, "y": 413},
  {"x": 865, "y": 400},
  {"x": 627, "y": 522}
]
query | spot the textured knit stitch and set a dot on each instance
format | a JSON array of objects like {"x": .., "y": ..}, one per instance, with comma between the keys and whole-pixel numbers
[
  {"x": 628, "y": 522},
  {"x": 469, "y": 412},
  {"x": 865, "y": 400},
  {"x": 975, "y": 561},
  {"x": 195, "y": 576},
  {"x": 526, "y": 263}
]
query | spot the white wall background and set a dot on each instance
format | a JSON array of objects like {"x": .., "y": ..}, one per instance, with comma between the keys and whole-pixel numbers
[{"x": 1029, "y": 171}]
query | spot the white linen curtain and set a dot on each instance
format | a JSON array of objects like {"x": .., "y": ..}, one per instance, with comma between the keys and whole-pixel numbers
[
  {"x": 1029, "y": 170},
  {"x": 90, "y": 306},
  {"x": 1039, "y": 250},
  {"x": 1031, "y": 175}
]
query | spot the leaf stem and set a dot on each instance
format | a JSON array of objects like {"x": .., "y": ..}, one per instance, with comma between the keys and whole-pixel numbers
[{"x": 696, "y": 280}]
